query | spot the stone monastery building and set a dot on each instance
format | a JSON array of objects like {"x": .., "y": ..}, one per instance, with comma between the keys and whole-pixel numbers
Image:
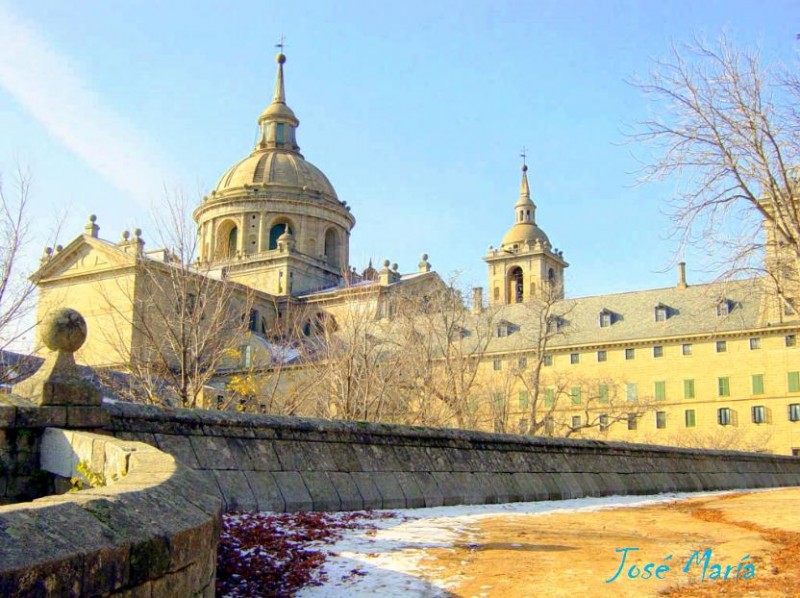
[{"x": 709, "y": 364}]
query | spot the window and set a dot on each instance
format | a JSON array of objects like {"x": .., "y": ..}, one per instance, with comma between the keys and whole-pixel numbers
[
  {"x": 523, "y": 399},
  {"x": 246, "y": 356},
  {"x": 759, "y": 414},
  {"x": 575, "y": 395},
  {"x": 632, "y": 421},
  {"x": 688, "y": 389},
  {"x": 758, "y": 384},
  {"x": 630, "y": 353},
  {"x": 602, "y": 393},
  {"x": 262, "y": 409},
  {"x": 724, "y": 387},
  {"x": 793, "y": 381},
  {"x": 796, "y": 452},
  {"x": 548, "y": 360},
  {"x": 605, "y": 319},
  {"x": 603, "y": 422},
  {"x": 660, "y": 390},
  {"x": 631, "y": 392},
  {"x": 523, "y": 425},
  {"x": 549, "y": 397},
  {"x": 574, "y": 358},
  {"x": 502, "y": 331},
  {"x": 661, "y": 313},
  {"x": 661, "y": 420},
  {"x": 688, "y": 418},
  {"x": 724, "y": 416},
  {"x": 686, "y": 348},
  {"x": 723, "y": 308},
  {"x": 722, "y": 346},
  {"x": 279, "y": 132},
  {"x": 790, "y": 340},
  {"x": 755, "y": 343},
  {"x": 497, "y": 364},
  {"x": 576, "y": 422},
  {"x": 794, "y": 412},
  {"x": 602, "y": 355},
  {"x": 658, "y": 351},
  {"x": 220, "y": 401},
  {"x": 522, "y": 363},
  {"x": 549, "y": 425},
  {"x": 252, "y": 325}
]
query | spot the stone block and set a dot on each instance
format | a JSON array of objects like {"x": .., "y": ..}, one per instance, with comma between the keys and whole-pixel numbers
[
  {"x": 368, "y": 490},
  {"x": 179, "y": 447},
  {"x": 292, "y": 455},
  {"x": 449, "y": 487},
  {"x": 323, "y": 493},
  {"x": 262, "y": 455},
  {"x": 392, "y": 496},
  {"x": 294, "y": 491},
  {"x": 430, "y": 490},
  {"x": 413, "y": 458},
  {"x": 149, "y": 559},
  {"x": 349, "y": 496},
  {"x": 57, "y": 455},
  {"x": 345, "y": 457},
  {"x": 236, "y": 491},
  {"x": 415, "y": 498},
  {"x": 86, "y": 417},
  {"x": 438, "y": 458},
  {"x": 213, "y": 452},
  {"x": 320, "y": 455},
  {"x": 265, "y": 489},
  {"x": 8, "y": 415},
  {"x": 41, "y": 417}
]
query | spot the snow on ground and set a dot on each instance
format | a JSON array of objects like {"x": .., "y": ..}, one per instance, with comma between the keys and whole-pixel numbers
[{"x": 386, "y": 561}]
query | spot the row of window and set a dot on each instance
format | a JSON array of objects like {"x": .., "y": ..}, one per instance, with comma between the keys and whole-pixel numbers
[
  {"x": 660, "y": 390},
  {"x": 790, "y": 340}
]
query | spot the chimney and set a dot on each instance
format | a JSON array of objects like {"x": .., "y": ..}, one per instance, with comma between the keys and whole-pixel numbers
[
  {"x": 682, "y": 275},
  {"x": 477, "y": 300}
]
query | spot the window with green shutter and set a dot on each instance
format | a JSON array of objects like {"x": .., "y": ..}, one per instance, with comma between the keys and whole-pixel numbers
[
  {"x": 523, "y": 399},
  {"x": 575, "y": 395},
  {"x": 602, "y": 393},
  {"x": 688, "y": 389},
  {"x": 660, "y": 390},
  {"x": 758, "y": 384},
  {"x": 549, "y": 397},
  {"x": 631, "y": 392},
  {"x": 724, "y": 386},
  {"x": 793, "y": 378},
  {"x": 689, "y": 418}
]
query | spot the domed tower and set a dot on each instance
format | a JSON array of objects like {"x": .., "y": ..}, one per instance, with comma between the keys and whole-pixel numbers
[
  {"x": 525, "y": 265},
  {"x": 274, "y": 221}
]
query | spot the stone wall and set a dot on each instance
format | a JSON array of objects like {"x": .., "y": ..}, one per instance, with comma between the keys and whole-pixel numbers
[
  {"x": 151, "y": 531},
  {"x": 289, "y": 464}
]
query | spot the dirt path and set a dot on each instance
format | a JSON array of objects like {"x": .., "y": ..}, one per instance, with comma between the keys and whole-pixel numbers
[{"x": 756, "y": 534}]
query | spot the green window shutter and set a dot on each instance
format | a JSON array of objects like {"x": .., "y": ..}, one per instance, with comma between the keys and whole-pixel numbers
[
  {"x": 688, "y": 389},
  {"x": 575, "y": 395},
  {"x": 523, "y": 399},
  {"x": 602, "y": 392},
  {"x": 549, "y": 397},
  {"x": 690, "y": 418},
  {"x": 632, "y": 392},
  {"x": 758, "y": 384},
  {"x": 724, "y": 386},
  {"x": 793, "y": 378},
  {"x": 660, "y": 390}
]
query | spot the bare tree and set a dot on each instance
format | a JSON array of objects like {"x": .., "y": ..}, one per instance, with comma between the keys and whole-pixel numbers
[
  {"x": 187, "y": 322},
  {"x": 726, "y": 126}
]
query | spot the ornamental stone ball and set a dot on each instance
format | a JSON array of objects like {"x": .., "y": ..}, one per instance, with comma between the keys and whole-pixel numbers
[{"x": 64, "y": 330}]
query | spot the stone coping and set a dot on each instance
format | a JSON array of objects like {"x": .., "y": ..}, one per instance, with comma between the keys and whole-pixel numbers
[
  {"x": 151, "y": 531},
  {"x": 133, "y": 417}
]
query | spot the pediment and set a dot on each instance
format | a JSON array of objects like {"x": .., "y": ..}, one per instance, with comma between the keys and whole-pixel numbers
[{"x": 82, "y": 257}]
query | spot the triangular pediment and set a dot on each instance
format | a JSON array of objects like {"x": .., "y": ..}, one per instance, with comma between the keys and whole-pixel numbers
[{"x": 85, "y": 255}]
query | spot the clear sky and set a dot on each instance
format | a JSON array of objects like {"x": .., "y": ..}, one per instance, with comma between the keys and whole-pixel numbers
[{"x": 415, "y": 110}]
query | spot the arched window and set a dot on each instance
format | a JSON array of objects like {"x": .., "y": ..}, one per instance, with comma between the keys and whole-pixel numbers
[
  {"x": 276, "y": 231},
  {"x": 516, "y": 287},
  {"x": 551, "y": 276},
  {"x": 332, "y": 247}
]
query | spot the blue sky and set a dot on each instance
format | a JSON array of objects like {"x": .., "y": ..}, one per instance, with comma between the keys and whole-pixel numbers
[{"x": 416, "y": 111}]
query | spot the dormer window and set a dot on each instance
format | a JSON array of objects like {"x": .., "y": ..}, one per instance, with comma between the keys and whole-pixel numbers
[
  {"x": 554, "y": 324},
  {"x": 504, "y": 328},
  {"x": 607, "y": 318},
  {"x": 724, "y": 307},
  {"x": 662, "y": 312}
]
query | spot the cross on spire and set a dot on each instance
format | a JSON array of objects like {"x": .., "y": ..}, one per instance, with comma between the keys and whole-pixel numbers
[
  {"x": 524, "y": 154},
  {"x": 281, "y": 43}
]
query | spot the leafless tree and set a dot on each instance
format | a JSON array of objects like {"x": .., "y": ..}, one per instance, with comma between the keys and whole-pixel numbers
[
  {"x": 187, "y": 322},
  {"x": 726, "y": 127}
]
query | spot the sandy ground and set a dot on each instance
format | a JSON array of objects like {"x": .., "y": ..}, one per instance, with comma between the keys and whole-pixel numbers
[{"x": 574, "y": 554}]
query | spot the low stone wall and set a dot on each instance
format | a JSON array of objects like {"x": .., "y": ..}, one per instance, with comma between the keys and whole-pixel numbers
[
  {"x": 289, "y": 464},
  {"x": 151, "y": 531}
]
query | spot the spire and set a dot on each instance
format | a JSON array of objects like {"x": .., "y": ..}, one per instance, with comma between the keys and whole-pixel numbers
[
  {"x": 524, "y": 209},
  {"x": 277, "y": 123}
]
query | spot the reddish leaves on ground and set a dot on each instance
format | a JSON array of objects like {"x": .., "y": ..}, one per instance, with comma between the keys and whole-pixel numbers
[{"x": 268, "y": 554}]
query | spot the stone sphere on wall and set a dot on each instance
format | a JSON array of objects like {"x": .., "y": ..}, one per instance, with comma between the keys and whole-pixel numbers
[{"x": 63, "y": 329}]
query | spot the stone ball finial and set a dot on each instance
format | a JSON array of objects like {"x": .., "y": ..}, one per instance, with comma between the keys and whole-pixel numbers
[
  {"x": 386, "y": 263},
  {"x": 424, "y": 257},
  {"x": 395, "y": 267},
  {"x": 137, "y": 232},
  {"x": 92, "y": 218},
  {"x": 64, "y": 330},
  {"x": 126, "y": 235}
]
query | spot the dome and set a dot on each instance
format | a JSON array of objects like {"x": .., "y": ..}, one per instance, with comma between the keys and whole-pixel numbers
[
  {"x": 278, "y": 168},
  {"x": 524, "y": 232}
]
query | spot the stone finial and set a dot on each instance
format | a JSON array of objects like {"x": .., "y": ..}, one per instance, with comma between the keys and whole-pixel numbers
[
  {"x": 46, "y": 256},
  {"x": 424, "y": 265},
  {"x": 91, "y": 227},
  {"x": 58, "y": 383}
]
